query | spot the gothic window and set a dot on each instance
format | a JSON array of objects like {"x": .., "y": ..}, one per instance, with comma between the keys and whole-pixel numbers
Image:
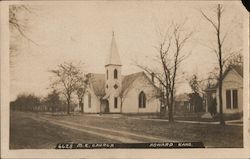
[
  {"x": 89, "y": 100},
  {"x": 107, "y": 74},
  {"x": 115, "y": 74},
  {"x": 115, "y": 102},
  {"x": 142, "y": 100},
  {"x": 107, "y": 86}
]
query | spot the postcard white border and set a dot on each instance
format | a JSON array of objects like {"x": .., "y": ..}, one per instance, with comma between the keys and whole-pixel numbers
[{"x": 112, "y": 153}]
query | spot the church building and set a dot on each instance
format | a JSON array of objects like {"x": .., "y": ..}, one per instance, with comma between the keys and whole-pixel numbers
[{"x": 113, "y": 92}]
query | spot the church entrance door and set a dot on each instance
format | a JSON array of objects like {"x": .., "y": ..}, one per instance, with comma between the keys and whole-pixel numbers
[{"x": 105, "y": 106}]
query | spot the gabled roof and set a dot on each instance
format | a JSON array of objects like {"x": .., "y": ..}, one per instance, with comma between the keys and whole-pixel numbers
[
  {"x": 129, "y": 79},
  {"x": 98, "y": 82},
  {"x": 114, "y": 57},
  {"x": 237, "y": 68}
]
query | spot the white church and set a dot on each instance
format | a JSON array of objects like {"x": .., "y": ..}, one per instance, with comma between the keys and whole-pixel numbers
[{"x": 113, "y": 92}]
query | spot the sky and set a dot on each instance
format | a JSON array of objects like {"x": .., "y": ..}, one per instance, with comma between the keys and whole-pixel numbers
[{"x": 82, "y": 31}]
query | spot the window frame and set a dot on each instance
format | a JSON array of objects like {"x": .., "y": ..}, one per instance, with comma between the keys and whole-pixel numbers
[
  {"x": 228, "y": 99},
  {"x": 232, "y": 101},
  {"x": 107, "y": 74},
  {"x": 115, "y": 102},
  {"x": 142, "y": 100},
  {"x": 115, "y": 74},
  {"x": 89, "y": 100},
  {"x": 235, "y": 99}
]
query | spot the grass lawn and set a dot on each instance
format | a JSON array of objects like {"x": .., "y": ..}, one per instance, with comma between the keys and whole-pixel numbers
[
  {"x": 210, "y": 135},
  {"x": 28, "y": 133}
]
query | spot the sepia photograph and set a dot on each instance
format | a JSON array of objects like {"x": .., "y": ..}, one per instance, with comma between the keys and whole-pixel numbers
[{"x": 127, "y": 75}]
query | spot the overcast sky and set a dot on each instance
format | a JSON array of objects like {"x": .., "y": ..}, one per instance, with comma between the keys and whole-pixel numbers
[{"x": 83, "y": 30}]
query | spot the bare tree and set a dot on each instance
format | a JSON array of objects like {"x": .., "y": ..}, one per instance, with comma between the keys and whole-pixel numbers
[
  {"x": 53, "y": 101},
  {"x": 194, "y": 84},
  {"x": 67, "y": 79},
  {"x": 234, "y": 60},
  {"x": 170, "y": 55},
  {"x": 199, "y": 85},
  {"x": 220, "y": 52},
  {"x": 17, "y": 23},
  {"x": 19, "y": 15}
]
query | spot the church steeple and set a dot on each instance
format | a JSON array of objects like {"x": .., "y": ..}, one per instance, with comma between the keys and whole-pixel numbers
[
  {"x": 113, "y": 82},
  {"x": 113, "y": 57}
]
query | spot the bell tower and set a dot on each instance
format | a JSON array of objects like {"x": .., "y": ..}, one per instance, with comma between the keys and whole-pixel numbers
[{"x": 113, "y": 78}]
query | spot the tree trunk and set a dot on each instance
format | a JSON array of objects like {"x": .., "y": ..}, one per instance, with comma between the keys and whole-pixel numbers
[
  {"x": 162, "y": 104},
  {"x": 81, "y": 106},
  {"x": 100, "y": 99},
  {"x": 53, "y": 108},
  {"x": 170, "y": 105},
  {"x": 170, "y": 111},
  {"x": 222, "y": 122},
  {"x": 68, "y": 106},
  {"x": 164, "y": 108},
  {"x": 121, "y": 105}
]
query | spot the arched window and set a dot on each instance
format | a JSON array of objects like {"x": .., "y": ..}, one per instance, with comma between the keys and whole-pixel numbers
[
  {"x": 115, "y": 102},
  {"x": 89, "y": 100},
  {"x": 107, "y": 74},
  {"x": 115, "y": 74},
  {"x": 142, "y": 100}
]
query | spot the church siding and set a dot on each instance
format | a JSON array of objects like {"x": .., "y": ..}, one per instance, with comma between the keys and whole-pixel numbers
[
  {"x": 112, "y": 106},
  {"x": 95, "y": 103},
  {"x": 131, "y": 102}
]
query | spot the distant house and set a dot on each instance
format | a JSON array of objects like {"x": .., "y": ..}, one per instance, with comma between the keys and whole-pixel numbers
[
  {"x": 232, "y": 91},
  {"x": 188, "y": 102},
  {"x": 113, "y": 92},
  {"x": 196, "y": 102},
  {"x": 182, "y": 104}
]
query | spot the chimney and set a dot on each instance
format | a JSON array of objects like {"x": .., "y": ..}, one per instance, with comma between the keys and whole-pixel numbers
[{"x": 153, "y": 77}]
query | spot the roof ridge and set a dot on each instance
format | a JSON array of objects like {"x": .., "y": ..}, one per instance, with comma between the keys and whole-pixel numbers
[{"x": 134, "y": 73}]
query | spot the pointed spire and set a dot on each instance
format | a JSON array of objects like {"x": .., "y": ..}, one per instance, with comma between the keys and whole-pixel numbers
[{"x": 113, "y": 57}]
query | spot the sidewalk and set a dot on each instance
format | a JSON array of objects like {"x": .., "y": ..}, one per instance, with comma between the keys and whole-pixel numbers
[
  {"x": 114, "y": 116},
  {"x": 229, "y": 122}
]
